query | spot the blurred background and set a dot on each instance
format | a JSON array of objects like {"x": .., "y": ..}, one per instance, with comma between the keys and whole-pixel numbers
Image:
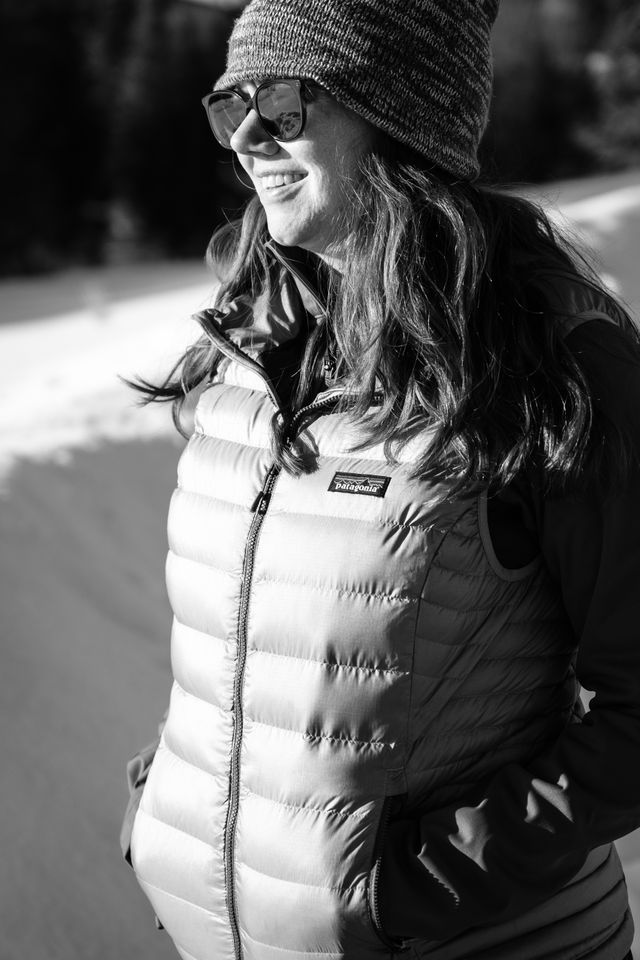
[
  {"x": 106, "y": 156},
  {"x": 112, "y": 185}
]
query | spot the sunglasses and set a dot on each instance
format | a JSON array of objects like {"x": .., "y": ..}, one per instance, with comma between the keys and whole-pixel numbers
[{"x": 280, "y": 105}]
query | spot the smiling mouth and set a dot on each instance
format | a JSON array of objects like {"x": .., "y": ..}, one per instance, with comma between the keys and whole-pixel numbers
[{"x": 276, "y": 181}]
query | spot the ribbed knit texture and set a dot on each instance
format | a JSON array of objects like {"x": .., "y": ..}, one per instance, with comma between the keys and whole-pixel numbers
[{"x": 420, "y": 71}]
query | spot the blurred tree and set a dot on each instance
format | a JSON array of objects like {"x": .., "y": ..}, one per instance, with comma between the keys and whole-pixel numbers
[
  {"x": 50, "y": 166},
  {"x": 104, "y": 132},
  {"x": 108, "y": 152},
  {"x": 614, "y": 138},
  {"x": 543, "y": 93},
  {"x": 168, "y": 172}
]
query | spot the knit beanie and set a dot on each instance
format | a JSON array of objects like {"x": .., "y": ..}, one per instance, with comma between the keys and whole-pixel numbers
[{"x": 420, "y": 70}]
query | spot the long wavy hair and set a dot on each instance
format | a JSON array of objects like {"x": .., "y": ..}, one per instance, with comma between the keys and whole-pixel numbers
[{"x": 446, "y": 315}]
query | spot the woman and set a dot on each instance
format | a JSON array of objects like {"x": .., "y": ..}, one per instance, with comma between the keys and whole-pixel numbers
[{"x": 406, "y": 530}]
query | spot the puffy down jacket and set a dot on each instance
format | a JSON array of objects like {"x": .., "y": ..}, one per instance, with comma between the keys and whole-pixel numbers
[{"x": 344, "y": 653}]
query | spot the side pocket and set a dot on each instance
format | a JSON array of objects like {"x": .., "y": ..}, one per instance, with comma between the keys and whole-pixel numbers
[
  {"x": 137, "y": 772},
  {"x": 390, "y": 805},
  {"x": 127, "y": 824}
]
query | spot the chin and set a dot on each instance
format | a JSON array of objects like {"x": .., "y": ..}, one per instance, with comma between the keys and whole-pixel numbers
[
  {"x": 285, "y": 236},
  {"x": 289, "y": 234}
]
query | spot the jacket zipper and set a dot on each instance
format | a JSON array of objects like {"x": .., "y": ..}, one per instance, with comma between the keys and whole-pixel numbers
[
  {"x": 259, "y": 509},
  {"x": 206, "y": 319}
]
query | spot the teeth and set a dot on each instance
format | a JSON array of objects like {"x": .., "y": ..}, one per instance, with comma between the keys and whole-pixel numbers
[{"x": 281, "y": 180}]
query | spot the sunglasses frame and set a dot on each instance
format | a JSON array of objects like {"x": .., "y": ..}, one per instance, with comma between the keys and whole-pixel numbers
[{"x": 302, "y": 88}]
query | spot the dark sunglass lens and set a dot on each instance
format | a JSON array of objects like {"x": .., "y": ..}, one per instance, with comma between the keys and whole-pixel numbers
[
  {"x": 280, "y": 110},
  {"x": 226, "y": 112}
]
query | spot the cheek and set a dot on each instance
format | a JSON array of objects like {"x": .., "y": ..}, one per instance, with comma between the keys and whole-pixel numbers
[
  {"x": 350, "y": 149},
  {"x": 326, "y": 194},
  {"x": 333, "y": 172},
  {"x": 360, "y": 145}
]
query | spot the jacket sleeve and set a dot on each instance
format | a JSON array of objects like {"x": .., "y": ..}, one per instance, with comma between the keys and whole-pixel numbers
[
  {"x": 531, "y": 829},
  {"x": 137, "y": 771}
]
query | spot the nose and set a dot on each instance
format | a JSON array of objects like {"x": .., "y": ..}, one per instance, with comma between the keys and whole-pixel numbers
[{"x": 251, "y": 137}]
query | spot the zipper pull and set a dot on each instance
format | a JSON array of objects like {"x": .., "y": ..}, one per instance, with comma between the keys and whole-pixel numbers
[
  {"x": 328, "y": 367},
  {"x": 260, "y": 503}
]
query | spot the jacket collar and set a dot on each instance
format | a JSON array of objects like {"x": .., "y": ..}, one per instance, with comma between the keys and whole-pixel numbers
[
  {"x": 300, "y": 267},
  {"x": 246, "y": 331}
]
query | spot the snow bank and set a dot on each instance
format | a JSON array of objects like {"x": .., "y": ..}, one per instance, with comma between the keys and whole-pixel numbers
[{"x": 60, "y": 388}]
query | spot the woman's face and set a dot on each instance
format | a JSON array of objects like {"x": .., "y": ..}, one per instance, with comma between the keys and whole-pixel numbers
[{"x": 301, "y": 183}]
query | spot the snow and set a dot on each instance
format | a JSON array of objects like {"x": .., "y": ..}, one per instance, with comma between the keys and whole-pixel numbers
[
  {"x": 60, "y": 388},
  {"x": 603, "y": 213},
  {"x": 85, "y": 479}
]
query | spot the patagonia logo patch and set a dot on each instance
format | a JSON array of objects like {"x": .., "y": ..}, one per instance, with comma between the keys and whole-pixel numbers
[{"x": 368, "y": 484}]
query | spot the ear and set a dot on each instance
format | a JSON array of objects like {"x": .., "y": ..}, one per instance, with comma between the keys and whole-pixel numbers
[{"x": 490, "y": 9}]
